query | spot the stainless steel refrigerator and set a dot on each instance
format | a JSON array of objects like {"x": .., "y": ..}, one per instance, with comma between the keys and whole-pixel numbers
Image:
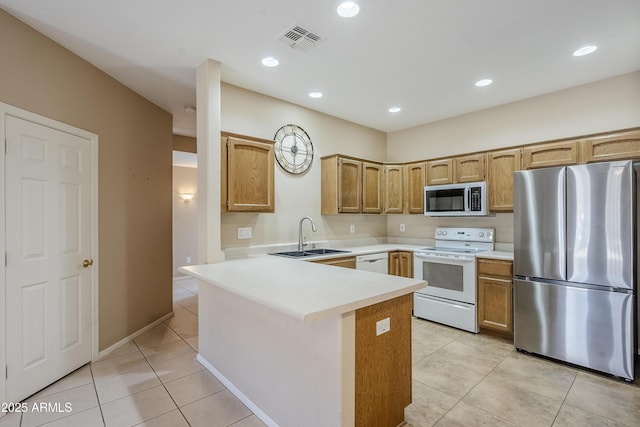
[{"x": 575, "y": 261}]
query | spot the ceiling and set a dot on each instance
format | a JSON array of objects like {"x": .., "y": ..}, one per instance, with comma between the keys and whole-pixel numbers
[{"x": 421, "y": 55}]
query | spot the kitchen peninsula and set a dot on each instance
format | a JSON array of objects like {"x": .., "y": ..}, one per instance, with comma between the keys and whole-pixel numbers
[{"x": 301, "y": 343}]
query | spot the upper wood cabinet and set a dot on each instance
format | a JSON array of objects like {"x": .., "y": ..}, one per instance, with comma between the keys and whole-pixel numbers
[
  {"x": 341, "y": 186},
  {"x": 559, "y": 153},
  {"x": 372, "y": 187},
  {"x": 401, "y": 263},
  {"x": 614, "y": 146},
  {"x": 393, "y": 189},
  {"x": 440, "y": 172},
  {"x": 469, "y": 168},
  {"x": 414, "y": 187},
  {"x": 500, "y": 168},
  {"x": 247, "y": 181}
]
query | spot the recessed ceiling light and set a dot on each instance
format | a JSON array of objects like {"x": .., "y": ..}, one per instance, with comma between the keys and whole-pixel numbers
[
  {"x": 348, "y": 9},
  {"x": 585, "y": 50},
  {"x": 315, "y": 94},
  {"x": 395, "y": 109},
  {"x": 484, "y": 82},
  {"x": 270, "y": 61}
]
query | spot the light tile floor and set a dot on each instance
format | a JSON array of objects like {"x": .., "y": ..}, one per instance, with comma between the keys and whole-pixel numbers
[{"x": 459, "y": 379}]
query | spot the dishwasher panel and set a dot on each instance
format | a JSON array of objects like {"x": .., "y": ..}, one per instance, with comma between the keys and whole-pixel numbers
[{"x": 377, "y": 263}]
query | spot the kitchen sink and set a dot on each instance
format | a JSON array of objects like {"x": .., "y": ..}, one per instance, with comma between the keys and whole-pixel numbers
[{"x": 309, "y": 252}]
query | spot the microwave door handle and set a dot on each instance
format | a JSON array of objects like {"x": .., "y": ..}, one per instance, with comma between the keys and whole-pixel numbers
[{"x": 467, "y": 192}]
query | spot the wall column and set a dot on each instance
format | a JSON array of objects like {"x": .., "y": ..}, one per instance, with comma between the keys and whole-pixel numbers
[{"x": 208, "y": 143}]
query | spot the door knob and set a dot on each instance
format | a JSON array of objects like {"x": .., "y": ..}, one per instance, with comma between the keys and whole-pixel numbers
[{"x": 86, "y": 263}]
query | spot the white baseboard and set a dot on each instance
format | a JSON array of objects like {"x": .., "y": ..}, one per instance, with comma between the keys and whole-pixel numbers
[
  {"x": 125, "y": 340},
  {"x": 237, "y": 393}
]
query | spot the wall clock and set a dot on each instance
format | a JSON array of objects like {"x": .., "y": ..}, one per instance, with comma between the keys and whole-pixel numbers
[{"x": 293, "y": 149}]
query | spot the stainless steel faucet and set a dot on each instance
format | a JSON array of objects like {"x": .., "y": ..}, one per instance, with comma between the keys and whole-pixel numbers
[{"x": 301, "y": 244}]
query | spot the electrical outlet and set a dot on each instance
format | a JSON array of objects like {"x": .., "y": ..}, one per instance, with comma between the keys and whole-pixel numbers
[
  {"x": 188, "y": 260},
  {"x": 245, "y": 232},
  {"x": 402, "y": 228},
  {"x": 352, "y": 228},
  {"x": 383, "y": 326}
]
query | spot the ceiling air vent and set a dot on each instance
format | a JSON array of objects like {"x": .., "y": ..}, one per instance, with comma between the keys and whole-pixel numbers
[{"x": 297, "y": 37}]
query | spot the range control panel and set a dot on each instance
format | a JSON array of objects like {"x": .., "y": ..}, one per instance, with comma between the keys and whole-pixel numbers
[{"x": 465, "y": 234}]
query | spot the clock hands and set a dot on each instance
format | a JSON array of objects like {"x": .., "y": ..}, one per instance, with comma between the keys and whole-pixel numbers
[{"x": 293, "y": 149}]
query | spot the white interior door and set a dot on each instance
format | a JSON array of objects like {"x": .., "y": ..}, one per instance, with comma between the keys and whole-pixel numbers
[{"x": 48, "y": 236}]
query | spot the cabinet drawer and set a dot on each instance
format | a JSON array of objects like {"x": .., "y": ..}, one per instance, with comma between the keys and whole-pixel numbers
[{"x": 492, "y": 267}]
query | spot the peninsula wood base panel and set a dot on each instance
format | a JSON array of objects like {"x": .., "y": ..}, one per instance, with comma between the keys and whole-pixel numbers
[{"x": 383, "y": 363}]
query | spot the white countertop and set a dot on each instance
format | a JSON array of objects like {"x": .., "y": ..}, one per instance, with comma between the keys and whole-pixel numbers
[
  {"x": 305, "y": 290},
  {"x": 504, "y": 255}
]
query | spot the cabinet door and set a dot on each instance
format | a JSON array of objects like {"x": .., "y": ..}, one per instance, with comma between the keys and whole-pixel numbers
[
  {"x": 616, "y": 146},
  {"x": 416, "y": 173},
  {"x": 345, "y": 262},
  {"x": 349, "y": 186},
  {"x": 250, "y": 175},
  {"x": 469, "y": 168},
  {"x": 401, "y": 263},
  {"x": 440, "y": 172},
  {"x": 500, "y": 168},
  {"x": 550, "y": 154},
  {"x": 495, "y": 288},
  {"x": 393, "y": 194},
  {"x": 405, "y": 262},
  {"x": 371, "y": 187},
  {"x": 394, "y": 263},
  {"x": 494, "y": 304}
]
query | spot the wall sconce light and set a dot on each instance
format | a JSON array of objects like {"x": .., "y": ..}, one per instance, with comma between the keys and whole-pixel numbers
[{"x": 186, "y": 196}]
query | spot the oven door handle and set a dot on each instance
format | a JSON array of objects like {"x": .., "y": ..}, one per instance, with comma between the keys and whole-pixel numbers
[{"x": 442, "y": 258}]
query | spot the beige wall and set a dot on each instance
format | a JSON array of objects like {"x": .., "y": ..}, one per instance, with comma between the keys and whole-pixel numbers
[
  {"x": 185, "y": 218},
  {"x": 249, "y": 113},
  {"x": 135, "y": 140},
  {"x": 597, "y": 107},
  {"x": 184, "y": 143}
]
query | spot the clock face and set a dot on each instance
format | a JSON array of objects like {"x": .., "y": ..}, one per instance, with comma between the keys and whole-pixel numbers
[{"x": 293, "y": 149}]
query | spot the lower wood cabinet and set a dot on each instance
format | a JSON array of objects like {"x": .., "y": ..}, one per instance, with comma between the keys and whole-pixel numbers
[
  {"x": 346, "y": 262},
  {"x": 495, "y": 295},
  {"x": 401, "y": 263}
]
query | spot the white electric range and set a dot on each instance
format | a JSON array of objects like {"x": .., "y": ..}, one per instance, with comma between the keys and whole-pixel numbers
[{"x": 449, "y": 267}]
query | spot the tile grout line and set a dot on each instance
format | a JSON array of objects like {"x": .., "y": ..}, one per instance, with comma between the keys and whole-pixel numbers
[
  {"x": 472, "y": 388},
  {"x": 564, "y": 399},
  {"x": 162, "y": 382},
  {"x": 95, "y": 390}
]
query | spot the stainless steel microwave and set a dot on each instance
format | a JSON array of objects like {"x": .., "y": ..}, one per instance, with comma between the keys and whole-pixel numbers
[{"x": 467, "y": 199}]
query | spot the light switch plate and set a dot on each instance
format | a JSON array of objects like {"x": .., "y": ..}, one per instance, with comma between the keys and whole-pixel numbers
[
  {"x": 352, "y": 228},
  {"x": 383, "y": 326},
  {"x": 402, "y": 229},
  {"x": 245, "y": 232}
]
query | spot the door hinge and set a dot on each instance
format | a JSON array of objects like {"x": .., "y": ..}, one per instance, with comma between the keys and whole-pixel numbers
[
  {"x": 6, "y": 259},
  {"x": 6, "y": 372},
  {"x": 6, "y": 146},
  {"x": 227, "y": 204}
]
